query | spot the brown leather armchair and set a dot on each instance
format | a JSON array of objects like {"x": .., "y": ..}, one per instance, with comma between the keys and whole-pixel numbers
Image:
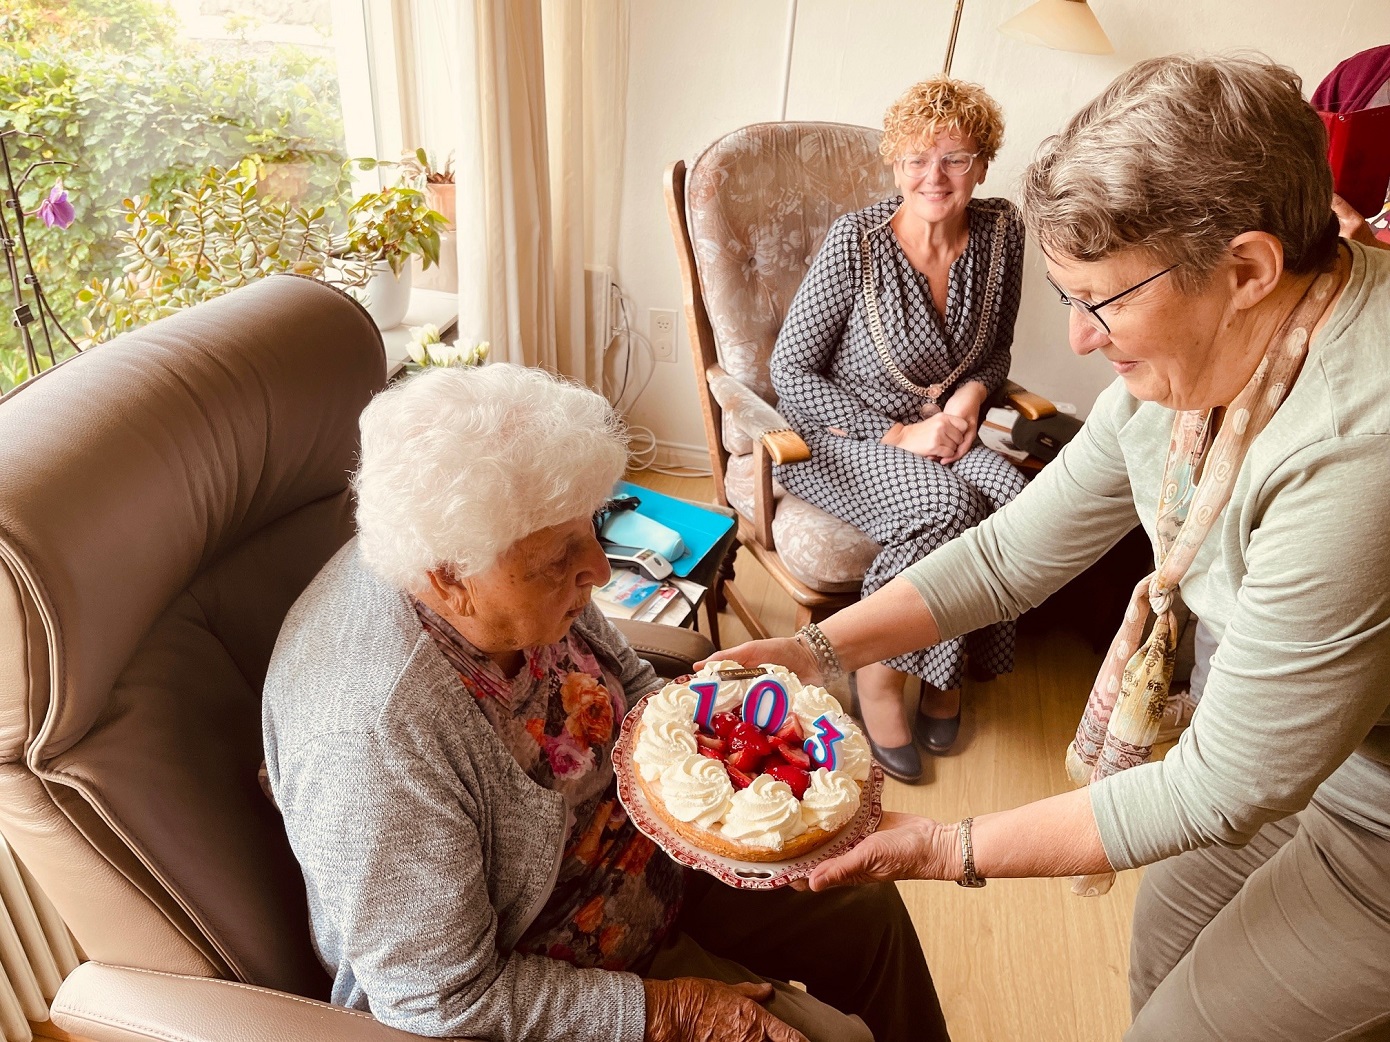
[
  {"x": 163, "y": 500},
  {"x": 748, "y": 217}
]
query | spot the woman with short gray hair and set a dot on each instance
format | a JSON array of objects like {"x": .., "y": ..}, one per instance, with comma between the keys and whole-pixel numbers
[
  {"x": 440, "y": 717},
  {"x": 1185, "y": 217}
]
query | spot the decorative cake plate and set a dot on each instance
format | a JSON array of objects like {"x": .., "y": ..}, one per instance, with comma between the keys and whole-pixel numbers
[{"x": 745, "y": 875}]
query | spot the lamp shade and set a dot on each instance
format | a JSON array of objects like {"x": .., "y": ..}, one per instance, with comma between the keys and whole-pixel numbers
[{"x": 1064, "y": 25}]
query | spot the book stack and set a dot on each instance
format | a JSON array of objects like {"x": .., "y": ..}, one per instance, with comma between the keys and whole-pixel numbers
[{"x": 628, "y": 595}]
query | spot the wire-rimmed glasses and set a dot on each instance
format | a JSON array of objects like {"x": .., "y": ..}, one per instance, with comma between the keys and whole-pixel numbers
[
  {"x": 953, "y": 164},
  {"x": 1091, "y": 312}
]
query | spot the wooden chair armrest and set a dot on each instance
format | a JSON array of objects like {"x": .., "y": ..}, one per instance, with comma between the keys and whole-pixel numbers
[
  {"x": 1030, "y": 405},
  {"x": 785, "y": 446},
  {"x": 755, "y": 418}
]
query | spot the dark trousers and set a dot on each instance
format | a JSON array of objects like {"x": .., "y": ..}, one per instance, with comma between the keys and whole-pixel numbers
[{"x": 855, "y": 949}]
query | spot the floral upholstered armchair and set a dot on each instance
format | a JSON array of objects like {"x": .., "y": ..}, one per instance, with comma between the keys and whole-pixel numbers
[{"x": 748, "y": 217}]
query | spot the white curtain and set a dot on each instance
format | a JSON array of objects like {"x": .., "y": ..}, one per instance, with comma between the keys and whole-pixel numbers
[
  {"x": 604, "y": 125},
  {"x": 541, "y": 99}
]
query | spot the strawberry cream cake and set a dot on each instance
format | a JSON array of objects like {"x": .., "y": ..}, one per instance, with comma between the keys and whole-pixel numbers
[{"x": 750, "y": 763}]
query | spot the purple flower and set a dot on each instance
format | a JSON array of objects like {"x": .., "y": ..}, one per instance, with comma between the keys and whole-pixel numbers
[{"x": 56, "y": 211}]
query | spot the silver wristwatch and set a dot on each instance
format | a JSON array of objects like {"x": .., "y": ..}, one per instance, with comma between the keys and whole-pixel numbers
[{"x": 967, "y": 858}]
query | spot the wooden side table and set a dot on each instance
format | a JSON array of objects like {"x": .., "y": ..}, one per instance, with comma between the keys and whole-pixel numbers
[{"x": 714, "y": 567}]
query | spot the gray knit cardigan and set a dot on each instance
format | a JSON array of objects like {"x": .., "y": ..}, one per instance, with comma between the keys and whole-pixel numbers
[{"x": 425, "y": 848}]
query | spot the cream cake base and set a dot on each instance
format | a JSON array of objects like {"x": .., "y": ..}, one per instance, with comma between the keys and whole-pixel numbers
[{"x": 715, "y": 844}]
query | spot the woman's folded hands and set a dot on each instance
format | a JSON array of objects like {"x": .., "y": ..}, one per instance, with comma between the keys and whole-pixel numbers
[
  {"x": 695, "y": 1009},
  {"x": 943, "y": 437}
]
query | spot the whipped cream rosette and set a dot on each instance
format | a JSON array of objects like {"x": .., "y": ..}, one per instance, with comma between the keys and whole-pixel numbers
[
  {"x": 830, "y": 800},
  {"x": 765, "y": 814},
  {"x": 697, "y": 789},
  {"x": 751, "y": 763}
]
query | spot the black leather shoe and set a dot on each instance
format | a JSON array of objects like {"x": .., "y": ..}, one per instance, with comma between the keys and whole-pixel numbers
[
  {"x": 936, "y": 734},
  {"x": 903, "y": 762}
]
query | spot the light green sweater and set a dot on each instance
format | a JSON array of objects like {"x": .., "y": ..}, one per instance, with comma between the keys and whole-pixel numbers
[{"x": 1293, "y": 581}]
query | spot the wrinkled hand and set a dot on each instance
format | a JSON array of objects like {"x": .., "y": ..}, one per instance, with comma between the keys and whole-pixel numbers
[
  {"x": 941, "y": 437},
  {"x": 904, "y": 847},
  {"x": 785, "y": 651},
  {"x": 693, "y": 1009},
  {"x": 1353, "y": 226}
]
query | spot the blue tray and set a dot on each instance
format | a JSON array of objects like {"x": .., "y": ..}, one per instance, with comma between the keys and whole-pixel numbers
[{"x": 699, "y": 529}]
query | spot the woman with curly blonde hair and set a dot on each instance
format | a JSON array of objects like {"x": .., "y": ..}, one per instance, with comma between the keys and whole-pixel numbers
[{"x": 897, "y": 336}]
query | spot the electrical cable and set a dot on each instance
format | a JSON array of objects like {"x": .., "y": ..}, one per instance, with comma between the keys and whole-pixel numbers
[{"x": 642, "y": 444}]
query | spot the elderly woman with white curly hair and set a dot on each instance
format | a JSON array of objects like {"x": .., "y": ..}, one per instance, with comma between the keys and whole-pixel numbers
[
  {"x": 1185, "y": 216},
  {"x": 440, "y": 717}
]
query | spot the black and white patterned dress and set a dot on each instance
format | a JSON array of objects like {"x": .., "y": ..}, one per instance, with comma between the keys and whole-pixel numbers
[{"x": 827, "y": 373}]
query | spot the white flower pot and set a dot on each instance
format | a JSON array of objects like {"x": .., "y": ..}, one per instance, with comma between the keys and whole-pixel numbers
[{"x": 386, "y": 296}]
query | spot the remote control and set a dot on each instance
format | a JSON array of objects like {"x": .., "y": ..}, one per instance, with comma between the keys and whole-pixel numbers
[{"x": 648, "y": 562}]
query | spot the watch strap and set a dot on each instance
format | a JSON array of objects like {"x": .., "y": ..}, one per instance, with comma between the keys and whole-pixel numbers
[{"x": 967, "y": 857}]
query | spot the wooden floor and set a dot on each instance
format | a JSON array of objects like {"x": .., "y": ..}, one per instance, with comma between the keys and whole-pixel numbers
[{"x": 1020, "y": 960}]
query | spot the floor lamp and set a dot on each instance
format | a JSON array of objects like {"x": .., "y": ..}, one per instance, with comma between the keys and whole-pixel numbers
[{"x": 1065, "y": 25}]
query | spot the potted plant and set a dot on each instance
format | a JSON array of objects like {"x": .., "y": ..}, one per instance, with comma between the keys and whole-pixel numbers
[
  {"x": 385, "y": 230},
  {"x": 435, "y": 180},
  {"x": 421, "y": 170}
]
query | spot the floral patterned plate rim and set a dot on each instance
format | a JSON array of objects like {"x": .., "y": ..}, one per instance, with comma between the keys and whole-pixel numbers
[{"x": 744, "y": 875}]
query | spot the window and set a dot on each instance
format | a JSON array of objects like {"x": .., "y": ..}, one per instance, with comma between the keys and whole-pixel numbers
[{"x": 137, "y": 100}]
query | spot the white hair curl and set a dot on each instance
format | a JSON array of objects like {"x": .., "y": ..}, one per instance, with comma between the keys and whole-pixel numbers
[{"x": 460, "y": 463}]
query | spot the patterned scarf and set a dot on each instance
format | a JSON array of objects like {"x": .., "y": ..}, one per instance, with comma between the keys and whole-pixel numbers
[{"x": 1122, "y": 716}]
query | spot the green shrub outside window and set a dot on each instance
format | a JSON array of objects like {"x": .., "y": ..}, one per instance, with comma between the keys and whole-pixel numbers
[{"x": 105, "y": 86}]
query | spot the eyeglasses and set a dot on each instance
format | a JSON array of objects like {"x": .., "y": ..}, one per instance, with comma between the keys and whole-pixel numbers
[
  {"x": 1091, "y": 312},
  {"x": 953, "y": 164}
]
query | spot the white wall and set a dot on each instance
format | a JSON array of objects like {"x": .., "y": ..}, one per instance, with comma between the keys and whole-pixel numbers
[{"x": 700, "y": 68}]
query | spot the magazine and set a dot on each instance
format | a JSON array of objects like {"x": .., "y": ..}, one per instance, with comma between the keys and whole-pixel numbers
[
  {"x": 624, "y": 593},
  {"x": 672, "y": 604}
]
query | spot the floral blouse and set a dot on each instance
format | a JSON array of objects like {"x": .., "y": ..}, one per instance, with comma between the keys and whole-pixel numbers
[{"x": 616, "y": 894}]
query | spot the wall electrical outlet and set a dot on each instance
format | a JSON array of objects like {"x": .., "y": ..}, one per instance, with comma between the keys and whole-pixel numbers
[{"x": 661, "y": 331}]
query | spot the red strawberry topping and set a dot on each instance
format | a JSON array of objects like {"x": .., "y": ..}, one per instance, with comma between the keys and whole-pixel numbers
[
  {"x": 797, "y": 779},
  {"x": 790, "y": 732},
  {"x": 794, "y": 755},
  {"x": 711, "y": 744},
  {"x": 746, "y": 759},
  {"x": 723, "y": 724},
  {"x": 748, "y": 736},
  {"x": 740, "y": 780}
]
